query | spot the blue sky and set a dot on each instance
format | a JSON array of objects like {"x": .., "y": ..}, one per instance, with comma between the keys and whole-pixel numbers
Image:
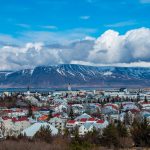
[
  {"x": 59, "y": 15},
  {"x": 35, "y": 29}
]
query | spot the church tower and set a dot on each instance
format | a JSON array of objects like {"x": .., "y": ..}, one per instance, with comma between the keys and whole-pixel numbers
[{"x": 69, "y": 87}]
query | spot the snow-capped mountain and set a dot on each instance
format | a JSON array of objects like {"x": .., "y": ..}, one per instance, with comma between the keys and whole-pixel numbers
[{"x": 77, "y": 75}]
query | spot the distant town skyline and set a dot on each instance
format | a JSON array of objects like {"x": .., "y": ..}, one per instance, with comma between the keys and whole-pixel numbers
[{"x": 90, "y": 32}]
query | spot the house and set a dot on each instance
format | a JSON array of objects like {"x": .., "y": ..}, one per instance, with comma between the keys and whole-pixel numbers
[
  {"x": 123, "y": 92},
  {"x": 71, "y": 124},
  {"x": 92, "y": 123},
  {"x": 15, "y": 112},
  {"x": 14, "y": 126},
  {"x": 33, "y": 129},
  {"x": 21, "y": 103},
  {"x": 82, "y": 116},
  {"x": 43, "y": 118},
  {"x": 114, "y": 118},
  {"x": 100, "y": 125},
  {"x": 57, "y": 123},
  {"x": 85, "y": 128},
  {"x": 91, "y": 120},
  {"x": 110, "y": 108},
  {"x": 145, "y": 105},
  {"x": 33, "y": 101},
  {"x": 129, "y": 106},
  {"x": 145, "y": 115},
  {"x": 78, "y": 109},
  {"x": 82, "y": 121},
  {"x": 61, "y": 107}
]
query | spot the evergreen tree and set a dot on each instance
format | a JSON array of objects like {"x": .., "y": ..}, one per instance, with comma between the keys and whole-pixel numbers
[
  {"x": 30, "y": 112},
  {"x": 59, "y": 130},
  {"x": 71, "y": 114},
  {"x": 92, "y": 136},
  {"x": 121, "y": 106},
  {"x": 128, "y": 118},
  {"x": 88, "y": 109},
  {"x": 110, "y": 136},
  {"x": 141, "y": 133},
  {"x": 78, "y": 143},
  {"x": 44, "y": 134},
  {"x": 145, "y": 99},
  {"x": 122, "y": 130},
  {"x": 66, "y": 132},
  {"x": 76, "y": 134},
  {"x": 49, "y": 115}
]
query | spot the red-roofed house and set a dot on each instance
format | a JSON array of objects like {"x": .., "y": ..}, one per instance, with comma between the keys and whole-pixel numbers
[
  {"x": 113, "y": 106},
  {"x": 82, "y": 121},
  {"x": 71, "y": 123},
  {"x": 57, "y": 115},
  {"x": 92, "y": 120},
  {"x": 100, "y": 121},
  {"x": 14, "y": 113}
]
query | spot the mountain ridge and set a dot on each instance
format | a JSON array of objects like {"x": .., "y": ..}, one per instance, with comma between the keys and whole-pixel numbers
[{"x": 77, "y": 75}]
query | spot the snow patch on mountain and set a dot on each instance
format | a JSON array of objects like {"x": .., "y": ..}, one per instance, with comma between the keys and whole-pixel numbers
[
  {"x": 108, "y": 73},
  {"x": 61, "y": 72}
]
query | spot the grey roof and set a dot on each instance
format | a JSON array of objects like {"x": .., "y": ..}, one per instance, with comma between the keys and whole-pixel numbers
[
  {"x": 55, "y": 119},
  {"x": 33, "y": 129},
  {"x": 87, "y": 125},
  {"x": 83, "y": 116}
]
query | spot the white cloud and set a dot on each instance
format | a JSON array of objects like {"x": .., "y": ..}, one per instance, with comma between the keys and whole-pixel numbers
[
  {"x": 89, "y": 38},
  {"x": 35, "y": 54},
  {"x": 49, "y": 27},
  {"x": 23, "y": 25},
  {"x": 29, "y": 56},
  {"x": 145, "y": 1},
  {"x": 8, "y": 40},
  {"x": 84, "y": 17},
  {"x": 110, "y": 49},
  {"x": 121, "y": 24},
  {"x": 64, "y": 37},
  {"x": 132, "y": 64}
]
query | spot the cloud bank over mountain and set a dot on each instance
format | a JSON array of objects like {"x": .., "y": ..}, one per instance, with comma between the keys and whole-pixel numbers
[{"x": 110, "y": 48}]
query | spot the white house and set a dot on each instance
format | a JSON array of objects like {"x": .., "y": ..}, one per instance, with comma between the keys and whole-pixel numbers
[
  {"x": 57, "y": 123},
  {"x": 85, "y": 128},
  {"x": 88, "y": 126},
  {"x": 100, "y": 125}
]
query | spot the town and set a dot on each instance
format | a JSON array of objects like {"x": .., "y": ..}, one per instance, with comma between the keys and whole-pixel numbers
[{"x": 75, "y": 113}]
